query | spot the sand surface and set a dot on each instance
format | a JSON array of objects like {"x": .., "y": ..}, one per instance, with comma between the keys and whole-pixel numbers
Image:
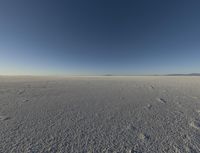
[{"x": 100, "y": 114}]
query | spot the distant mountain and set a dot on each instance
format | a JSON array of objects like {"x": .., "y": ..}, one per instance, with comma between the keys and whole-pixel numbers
[
  {"x": 191, "y": 74},
  {"x": 108, "y": 75}
]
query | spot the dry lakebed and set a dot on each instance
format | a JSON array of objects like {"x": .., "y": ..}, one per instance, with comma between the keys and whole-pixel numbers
[{"x": 105, "y": 114}]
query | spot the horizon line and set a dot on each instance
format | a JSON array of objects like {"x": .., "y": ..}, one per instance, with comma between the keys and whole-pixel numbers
[{"x": 103, "y": 75}]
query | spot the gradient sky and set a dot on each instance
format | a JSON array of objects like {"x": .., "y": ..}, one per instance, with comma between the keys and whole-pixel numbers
[{"x": 96, "y": 37}]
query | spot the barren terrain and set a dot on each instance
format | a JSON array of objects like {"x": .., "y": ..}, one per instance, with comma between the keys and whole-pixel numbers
[{"x": 148, "y": 114}]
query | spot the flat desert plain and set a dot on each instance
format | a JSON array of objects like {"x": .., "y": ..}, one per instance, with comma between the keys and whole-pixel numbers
[{"x": 147, "y": 114}]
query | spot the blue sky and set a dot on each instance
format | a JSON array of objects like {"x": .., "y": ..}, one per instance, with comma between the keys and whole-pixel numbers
[{"x": 57, "y": 37}]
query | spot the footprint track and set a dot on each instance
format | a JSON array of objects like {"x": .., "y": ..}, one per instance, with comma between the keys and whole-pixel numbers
[
  {"x": 4, "y": 117},
  {"x": 195, "y": 124},
  {"x": 161, "y": 100}
]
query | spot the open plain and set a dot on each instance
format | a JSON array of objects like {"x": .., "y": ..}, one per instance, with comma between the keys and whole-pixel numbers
[{"x": 111, "y": 114}]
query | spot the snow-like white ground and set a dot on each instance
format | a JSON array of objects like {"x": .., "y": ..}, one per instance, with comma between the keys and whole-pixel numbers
[{"x": 100, "y": 114}]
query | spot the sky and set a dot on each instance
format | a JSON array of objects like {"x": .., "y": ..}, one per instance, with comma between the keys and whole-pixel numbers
[{"x": 97, "y": 37}]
